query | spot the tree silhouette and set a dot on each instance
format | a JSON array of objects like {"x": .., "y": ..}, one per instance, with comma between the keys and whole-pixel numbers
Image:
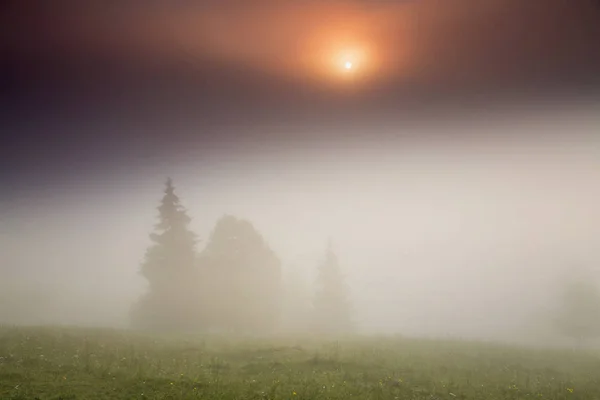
[
  {"x": 245, "y": 276},
  {"x": 332, "y": 310},
  {"x": 169, "y": 268}
]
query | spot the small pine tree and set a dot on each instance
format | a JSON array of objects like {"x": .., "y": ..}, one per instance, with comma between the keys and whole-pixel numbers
[
  {"x": 168, "y": 267},
  {"x": 331, "y": 305}
]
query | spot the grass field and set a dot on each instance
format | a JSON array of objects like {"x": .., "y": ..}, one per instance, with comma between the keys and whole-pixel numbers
[{"x": 60, "y": 363}]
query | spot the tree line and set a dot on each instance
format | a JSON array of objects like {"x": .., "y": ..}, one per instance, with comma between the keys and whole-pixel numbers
[{"x": 234, "y": 284}]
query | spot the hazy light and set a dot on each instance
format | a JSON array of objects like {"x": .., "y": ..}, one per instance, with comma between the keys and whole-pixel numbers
[{"x": 348, "y": 65}]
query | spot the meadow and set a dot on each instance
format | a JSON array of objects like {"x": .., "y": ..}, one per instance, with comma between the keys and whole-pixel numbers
[{"x": 74, "y": 363}]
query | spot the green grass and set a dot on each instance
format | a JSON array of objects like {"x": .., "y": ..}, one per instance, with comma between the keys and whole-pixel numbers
[{"x": 60, "y": 363}]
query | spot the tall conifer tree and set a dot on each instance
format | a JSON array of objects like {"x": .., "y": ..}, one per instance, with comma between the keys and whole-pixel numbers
[
  {"x": 173, "y": 251},
  {"x": 169, "y": 268}
]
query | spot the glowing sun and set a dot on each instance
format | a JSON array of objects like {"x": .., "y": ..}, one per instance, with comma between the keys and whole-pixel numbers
[{"x": 349, "y": 62}]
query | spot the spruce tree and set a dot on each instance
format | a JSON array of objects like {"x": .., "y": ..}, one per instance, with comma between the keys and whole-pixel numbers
[
  {"x": 169, "y": 268},
  {"x": 173, "y": 251},
  {"x": 332, "y": 309}
]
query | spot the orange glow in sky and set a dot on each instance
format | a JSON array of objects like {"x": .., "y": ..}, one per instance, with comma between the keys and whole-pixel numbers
[
  {"x": 336, "y": 41},
  {"x": 325, "y": 43}
]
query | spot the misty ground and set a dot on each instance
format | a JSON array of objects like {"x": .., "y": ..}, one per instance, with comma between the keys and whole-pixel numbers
[{"x": 76, "y": 363}]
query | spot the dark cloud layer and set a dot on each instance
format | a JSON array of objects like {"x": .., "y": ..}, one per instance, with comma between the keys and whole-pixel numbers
[
  {"x": 432, "y": 44},
  {"x": 111, "y": 79}
]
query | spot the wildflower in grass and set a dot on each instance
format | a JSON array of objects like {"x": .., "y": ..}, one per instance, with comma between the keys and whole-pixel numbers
[
  {"x": 294, "y": 393},
  {"x": 570, "y": 390}
]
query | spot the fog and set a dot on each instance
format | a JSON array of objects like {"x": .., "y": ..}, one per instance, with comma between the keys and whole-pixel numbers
[{"x": 467, "y": 232}]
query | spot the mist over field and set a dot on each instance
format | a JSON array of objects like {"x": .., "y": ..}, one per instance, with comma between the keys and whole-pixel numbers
[
  {"x": 464, "y": 235},
  {"x": 305, "y": 200}
]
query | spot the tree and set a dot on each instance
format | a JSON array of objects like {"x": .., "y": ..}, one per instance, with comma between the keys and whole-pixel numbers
[
  {"x": 169, "y": 268},
  {"x": 579, "y": 316},
  {"x": 331, "y": 305},
  {"x": 245, "y": 276}
]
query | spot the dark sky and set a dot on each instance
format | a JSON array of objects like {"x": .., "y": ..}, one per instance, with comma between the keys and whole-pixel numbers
[{"x": 91, "y": 87}]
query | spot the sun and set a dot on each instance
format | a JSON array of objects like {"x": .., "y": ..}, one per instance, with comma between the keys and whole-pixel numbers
[
  {"x": 346, "y": 63},
  {"x": 349, "y": 62}
]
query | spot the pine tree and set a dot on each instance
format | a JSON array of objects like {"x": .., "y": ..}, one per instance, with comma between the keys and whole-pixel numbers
[
  {"x": 173, "y": 251},
  {"x": 331, "y": 306},
  {"x": 169, "y": 268}
]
